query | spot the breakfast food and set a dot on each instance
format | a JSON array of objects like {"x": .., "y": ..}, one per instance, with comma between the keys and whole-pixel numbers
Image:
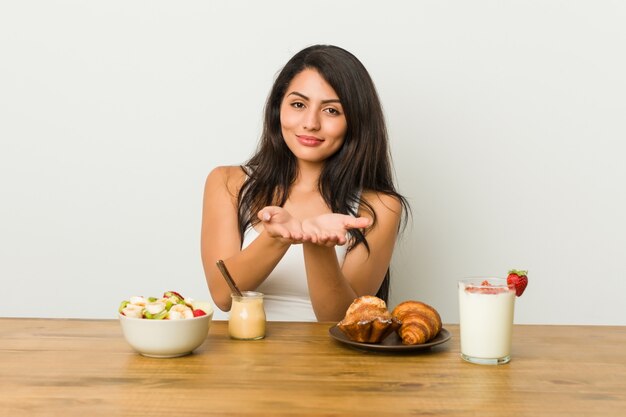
[
  {"x": 420, "y": 322},
  {"x": 367, "y": 320},
  {"x": 518, "y": 279},
  {"x": 172, "y": 306},
  {"x": 247, "y": 316},
  {"x": 486, "y": 309}
]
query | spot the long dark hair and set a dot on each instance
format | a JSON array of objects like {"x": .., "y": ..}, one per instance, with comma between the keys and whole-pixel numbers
[{"x": 362, "y": 163}]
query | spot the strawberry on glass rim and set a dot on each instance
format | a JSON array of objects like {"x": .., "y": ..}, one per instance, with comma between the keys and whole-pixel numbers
[{"x": 517, "y": 279}]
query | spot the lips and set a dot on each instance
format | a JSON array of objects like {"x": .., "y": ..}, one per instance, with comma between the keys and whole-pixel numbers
[{"x": 309, "y": 140}]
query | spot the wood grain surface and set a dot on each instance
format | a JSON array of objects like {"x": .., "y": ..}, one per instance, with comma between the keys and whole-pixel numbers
[{"x": 51, "y": 367}]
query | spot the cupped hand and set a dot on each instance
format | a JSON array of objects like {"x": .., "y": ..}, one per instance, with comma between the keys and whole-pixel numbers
[
  {"x": 279, "y": 224},
  {"x": 330, "y": 229}
]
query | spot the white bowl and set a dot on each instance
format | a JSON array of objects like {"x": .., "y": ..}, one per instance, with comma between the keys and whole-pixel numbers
[{"x": 165, "y": 338}]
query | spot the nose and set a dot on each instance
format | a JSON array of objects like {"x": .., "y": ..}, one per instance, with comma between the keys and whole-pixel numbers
[{"x": 311, "y": 120}]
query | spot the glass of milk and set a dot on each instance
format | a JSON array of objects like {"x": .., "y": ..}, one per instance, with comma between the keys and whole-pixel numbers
[
  {"x": 486, "y": 307},
  {"x": 247, "y": 316}
]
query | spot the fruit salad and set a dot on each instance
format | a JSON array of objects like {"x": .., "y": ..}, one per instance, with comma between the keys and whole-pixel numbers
[{"x": 171, "y": 306}]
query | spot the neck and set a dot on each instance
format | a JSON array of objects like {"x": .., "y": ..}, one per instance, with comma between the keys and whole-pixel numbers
[{"x": 308, "y": 176}]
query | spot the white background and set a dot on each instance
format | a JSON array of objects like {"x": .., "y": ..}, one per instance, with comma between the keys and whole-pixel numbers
[{"x": 507, "y": 121}]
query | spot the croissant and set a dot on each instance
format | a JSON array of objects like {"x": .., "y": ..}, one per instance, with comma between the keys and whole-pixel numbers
[
  {"x": 420, "y": 322},
  {"x": 368, "y": 320}
]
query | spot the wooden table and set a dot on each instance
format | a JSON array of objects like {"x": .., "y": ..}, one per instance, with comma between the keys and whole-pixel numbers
[{"x": 52, "y": 367}]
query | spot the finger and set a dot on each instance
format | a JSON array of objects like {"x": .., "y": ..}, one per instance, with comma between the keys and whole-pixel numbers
[
  {"x": 340, "y": 240},
  {"x": 325, "y": 239},
  {"x": 266, "y": 213},
  {"x": 357, "y": 223},
  {"x": 362, "y": 222}
]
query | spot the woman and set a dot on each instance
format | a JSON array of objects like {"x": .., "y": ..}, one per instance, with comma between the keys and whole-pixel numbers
[{"x": 312, "y": 218}]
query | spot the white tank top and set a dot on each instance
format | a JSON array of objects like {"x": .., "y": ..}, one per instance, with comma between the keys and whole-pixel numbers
[{"x": 286, "y": 289}]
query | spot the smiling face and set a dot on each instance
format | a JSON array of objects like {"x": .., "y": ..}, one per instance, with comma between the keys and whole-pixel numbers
[{"x": 312, "y": 120}]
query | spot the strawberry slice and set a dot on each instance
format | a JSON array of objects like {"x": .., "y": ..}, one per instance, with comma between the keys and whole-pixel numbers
[
  {"x": 485, "y": 287},
  {"x": 517, "y": 279},
  {"x": 197, "y": 313}
]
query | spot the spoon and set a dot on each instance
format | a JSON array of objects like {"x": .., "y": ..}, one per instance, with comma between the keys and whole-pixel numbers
[{"x": 231, "y": 283}]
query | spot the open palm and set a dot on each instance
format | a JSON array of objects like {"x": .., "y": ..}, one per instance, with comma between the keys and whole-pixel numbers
[
  {"x": 280, "y": 224},
  {"x": 330, "y": 229}
]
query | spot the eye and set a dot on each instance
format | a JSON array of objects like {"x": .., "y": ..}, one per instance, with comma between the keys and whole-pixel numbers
[
  {"x": 297, "y": 105},
  {"x": 332, "y": 111}
]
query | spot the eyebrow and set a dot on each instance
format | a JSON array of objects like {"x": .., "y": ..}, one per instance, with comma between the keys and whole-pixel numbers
[{"x": 331, "y": 100}]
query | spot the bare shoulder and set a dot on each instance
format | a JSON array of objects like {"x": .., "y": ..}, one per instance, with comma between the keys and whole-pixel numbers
[
  {"x": 225, "y": 179},
  {"x": 383, "y": 204}
]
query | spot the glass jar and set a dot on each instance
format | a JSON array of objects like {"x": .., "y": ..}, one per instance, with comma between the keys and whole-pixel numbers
[{"x": 247, "y": 316}]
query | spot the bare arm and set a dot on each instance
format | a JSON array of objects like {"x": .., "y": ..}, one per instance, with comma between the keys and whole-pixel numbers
[
  {"x": 220, "y": 239},
  {"x": 333, "y": 288}
]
